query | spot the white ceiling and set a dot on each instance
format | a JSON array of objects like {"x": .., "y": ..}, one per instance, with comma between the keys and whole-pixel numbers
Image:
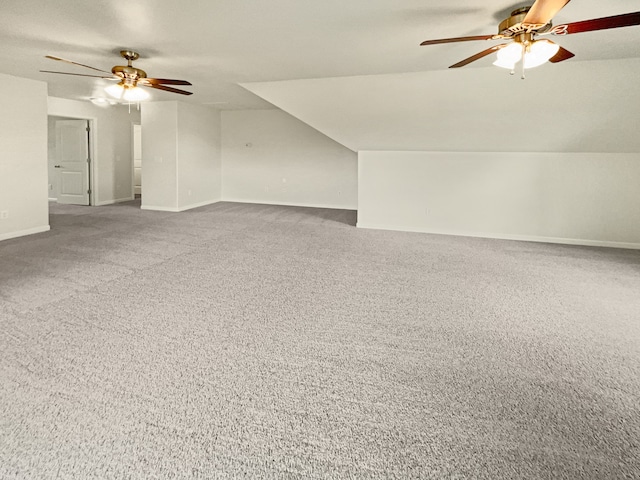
[{"x": 217, "y": 44}]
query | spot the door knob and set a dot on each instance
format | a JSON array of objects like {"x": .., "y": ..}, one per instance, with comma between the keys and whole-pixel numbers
[{"x": 56, "y": 166}]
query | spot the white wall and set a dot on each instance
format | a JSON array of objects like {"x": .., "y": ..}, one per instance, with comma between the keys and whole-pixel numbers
[
  {"x": 578, "y": 108},
  {"x": 271, "y": 157},
  {"x": 23, "y": 157},
  {"x": 180, "y": 156},
  {"x": 581, "y": 198},
  {"x": 112, "y": 146},
  {"x": 199, "y": 156},
  {"x": 160, "y": 155}
]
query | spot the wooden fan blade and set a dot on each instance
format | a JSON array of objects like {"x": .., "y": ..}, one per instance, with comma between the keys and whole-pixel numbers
[
  {"x": 111, "y": 77},
  {"x": 457, "y": 39},
  {"x": 478, "y": 56},
  {"x": 75, "y": 63},
  {"x": 163, "y": 81},
  {"x": 542, "y": 11},
  {"x": 562, "y": 55},
  {"x": 616, "y": 21},
  {"x": 170, "y": 89}
]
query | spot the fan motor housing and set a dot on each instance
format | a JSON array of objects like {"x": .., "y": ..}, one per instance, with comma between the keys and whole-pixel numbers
[
  {"x": 128, "y": 72},
  {"x": 513, "y": 25}
]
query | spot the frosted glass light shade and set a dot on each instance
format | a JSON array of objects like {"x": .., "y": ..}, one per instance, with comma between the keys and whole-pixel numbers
[
  {"x": 116, "y": 90},
  {"x": 123, "y": 92},
  {"x": 508, "y": 56},
  {"x": 135, "y": 94},
  {"x": 538, "y": 53}
]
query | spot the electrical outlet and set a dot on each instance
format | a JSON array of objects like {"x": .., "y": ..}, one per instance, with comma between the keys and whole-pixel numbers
[{"x": 4, "y": 214}]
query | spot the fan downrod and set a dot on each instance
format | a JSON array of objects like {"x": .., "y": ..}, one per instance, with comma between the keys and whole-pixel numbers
[
  {"x": 129, "y": 55},
  {"x": 520, "y": 11}
]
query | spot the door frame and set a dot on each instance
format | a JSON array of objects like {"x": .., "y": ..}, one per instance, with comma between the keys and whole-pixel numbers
[
  {"x": 93, "y": 164},
  {"x": 133, "y": 157}
]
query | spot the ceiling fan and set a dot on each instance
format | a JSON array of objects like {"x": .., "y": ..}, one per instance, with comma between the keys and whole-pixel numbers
[
  {"x": 527, "y": 23},
  {"x": 130, "y": 78}
]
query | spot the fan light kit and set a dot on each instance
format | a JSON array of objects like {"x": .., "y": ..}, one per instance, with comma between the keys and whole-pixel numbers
[
  {"x": 130, "y": 79},
  {"x": 534, "y": 53},
  {"x": 524, "y": 25},
  {"x": 126, "y": 92}
]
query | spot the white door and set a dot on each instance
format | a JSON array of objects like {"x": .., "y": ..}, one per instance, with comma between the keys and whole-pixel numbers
[{"x": 72, "y": 150}]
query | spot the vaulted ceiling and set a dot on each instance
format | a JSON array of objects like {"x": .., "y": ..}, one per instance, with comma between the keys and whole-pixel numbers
[{"x": 218, "y": 44}]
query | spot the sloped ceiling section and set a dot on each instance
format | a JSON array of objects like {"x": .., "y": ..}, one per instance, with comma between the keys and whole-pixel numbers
[{"x": 570, "y": 107}]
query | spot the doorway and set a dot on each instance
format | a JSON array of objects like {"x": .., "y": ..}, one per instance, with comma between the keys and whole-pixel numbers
[{"x": 69, "y": 159}]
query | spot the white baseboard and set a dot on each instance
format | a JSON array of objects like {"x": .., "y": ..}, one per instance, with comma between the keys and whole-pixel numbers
[
  {"x": 22, "y": 233},
  {"x": 286, "y": 204},
  {"x": 111, "y": 202},
  {"x": 196, "y": 205},
  {"x": 159, "y": 209},
  {"x": 180, "y": 209},
  {"x": 499, "y": 236}
]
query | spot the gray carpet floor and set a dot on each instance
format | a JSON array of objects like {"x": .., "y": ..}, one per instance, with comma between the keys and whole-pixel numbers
[{"x": 254, "y": 341}]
